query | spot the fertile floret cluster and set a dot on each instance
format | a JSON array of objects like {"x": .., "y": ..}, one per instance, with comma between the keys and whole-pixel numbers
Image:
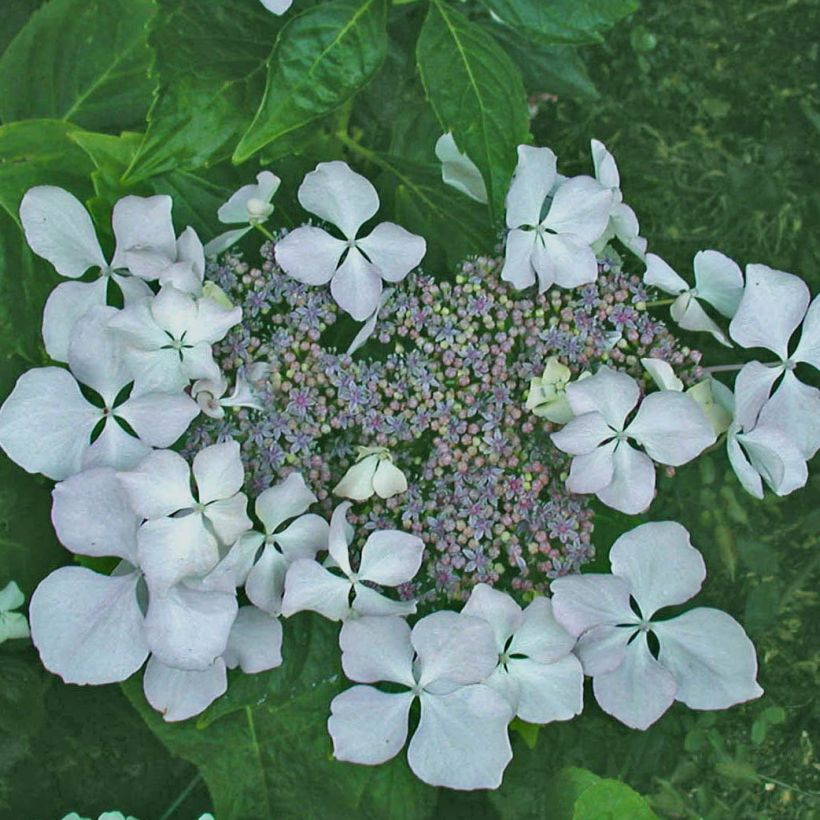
[{"x": 442, "y": 386}]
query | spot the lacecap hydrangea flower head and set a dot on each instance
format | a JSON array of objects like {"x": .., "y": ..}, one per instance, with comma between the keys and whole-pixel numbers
[{"x": 337, "y": 430}]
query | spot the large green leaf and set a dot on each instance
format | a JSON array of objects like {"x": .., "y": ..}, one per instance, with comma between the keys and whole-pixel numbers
[
  {"x": 322, "y": 58},
  {"x": 476, "y": 92},
  {"x": 562, "y": 21},
  {"x": 264, "y": 750},
  {"x": 15, "y": 15},
  {"x": 210, "y": 61},
  {"x": 80, "y": 60}
]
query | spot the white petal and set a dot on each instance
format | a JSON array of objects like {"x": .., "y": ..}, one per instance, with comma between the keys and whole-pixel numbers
[
  {"x": 808, "y": 350},
  {"x": 633, "y": 485},
  {"x": 87, "y": 627},
  {"x": 711, "y": 657},
  {"x": 548, "y": 691},
  {"x": 377, "y": 649},
  {"x": 719, "y": 281},
  {"x": 233, "y": 569},
  {"x": 190, "y": 250},
  {"x": 95, "y": 355},
  {"x": 773, "y": 305},
  {"x": 454, "y": 648},
  {"x": 612, "y": 393},
  {"x": 518, "y": 269},
  {"x": 287, "y": 499},
  {"x": 115, "y": 448},
  {"x": 583, "y": 434},
  {"x": 580, "y": 207},
  {"x": 218, "y": 471},
  {"x": 160, "y": 485},
  {"x": 13, "y": 626},
  {"x": 581, "y": 602},
  {"x": 159, "y": 419},
  {"x": 171, "y": 549},
  {"x": 458, "y": 170},
  {"x": 534, "y": 178},
  {"x": 92, "y": 515},
  {"x": 265, "y": 583},
  {"x": 369, "y": 327},
  {"x": 606, "y": 170},
  {"x": 339, "y": 195},
  {"x": 213, "y": 320},
  {"x": 179, "y": 694},
  {"x": 64, "y": 306},
  {"x": 592, "y": 472},
  {"x": 393, "y": 250},
  {"x": 229, "y": 517},
  {"x": 255, "y": 642},
  {"x": 572, "y": 262},
  {"x": 498, "y": 609},
  {"x": 688, "y": 313},
  {"x": 775, "y": 457},
  {"x": 461, "y": 741},
  {"x": 660, "y": 565},
  {"x": 220, "y": 243},
  {"x": 603, "y": 648},
  {"x": 660, "y": 275},
  {"x": 235, "y": 210},
  {"x": 46, "y": 423},
  {"x": 671, "y": 427},
  {"x": 369, "y": 602},
  {"x": 309, "y": 586},
  {"x": 339, "y": 537},
  {"x": 59, "y": 229},
  {"x": 662, "y": 374},
  {"x": 304, "y": 537},
  {"x": 143, "y": 223},
  {"x": 133, "y": 288},
  {"x": 747, "y": 475},
  {"x": 624, "y": 223},
  {"x": 795, "y": 408},
  {"x": 310, "y": 255},
  {"x": 368, "y": 726},
  {"x": 540, "y": 636},
  {"x": 189, "y": 628},
  {"x": 752, "y": 388},
  {"x": 11, "y": 597},
  {"x": 357, "y": 482},
  {"x": 276, "y": 7},
  {"x": 390, "y": 557},
  {"x": 357, "y": 286},
  {"x": 388, "y": 480},
  {"x": 639, "y": 691},
  {"x": 181, "y": 275}
]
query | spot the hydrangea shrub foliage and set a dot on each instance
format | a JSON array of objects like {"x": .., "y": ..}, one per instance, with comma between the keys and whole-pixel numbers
[{"x": 331, "y": 371}]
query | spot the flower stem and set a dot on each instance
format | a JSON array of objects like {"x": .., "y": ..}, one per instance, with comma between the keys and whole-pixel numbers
[
  {"x": 263, "y": 230},
  {"x": 722, "y": 368},
  {"x": 660, "y": 302}
]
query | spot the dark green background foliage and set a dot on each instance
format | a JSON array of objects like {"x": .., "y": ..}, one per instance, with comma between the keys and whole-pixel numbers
[{"x": 712, "y": 110}]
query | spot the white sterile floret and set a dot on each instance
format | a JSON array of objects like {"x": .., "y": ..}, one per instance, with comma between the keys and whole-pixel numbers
[
  {"x": 389, "y": 558},
  {"x": 547, "y": 396},
  {"x": 249, "y": 206},
  {"x": 277, "y": 6},
  {"x": 12, "y": 624},
  {"x": 159, "y": 489},
  {"x": 713, "y": 397},
  {"x": 59, "y": 229},
  {"x": 537, "y": 673},
  {"x": 623, "y": 224},
  {"x": 302, "y": 538},
  {"x": 774, "y": 305},
  {"x": 718, "y": 281},
  {"x": 761, "y": 444},
  {"x": 461, "y": 741},
  {"x": 354, "y": 267},
  {"x": 48, "y": 426},
  {"x": 705, "y": 660},
  {"x": 167, "y": 339},
  {"x": 552, "y": 228},
  {"x": 211, "y": 398},
  {"x": 670, "y": 426},
  {"x": 458, "y": 170},
  {"x": 373, "y": 474}
]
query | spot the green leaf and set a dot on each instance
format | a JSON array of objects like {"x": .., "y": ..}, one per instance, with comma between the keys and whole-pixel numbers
[
  {"x": 15, "y": 15},
  {"x": 264, "y": 750},
  {"x": 555, "y": 69},
  {"x": 322, "y": 58},
  {"x": 477, "y": 94},
  {"x": 210, "y": 59},
  {"x": 611, "y": 800},
  {"x": 80, "y": 60},
  {"x": 562, "y": 21}
]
